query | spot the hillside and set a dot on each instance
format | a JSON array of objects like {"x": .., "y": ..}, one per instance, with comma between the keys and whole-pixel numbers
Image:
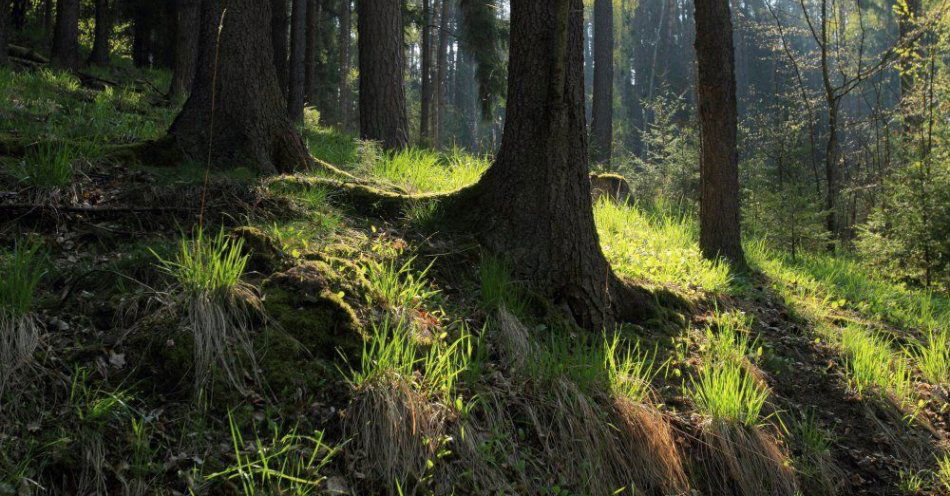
[{"x": 179, "y": 330}]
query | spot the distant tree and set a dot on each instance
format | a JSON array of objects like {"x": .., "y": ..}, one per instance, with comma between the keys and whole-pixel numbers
[
  {"x": 103, "y": 32},
  {"x": 440, "y": 75},
  {"x": 314, "y": 11},
  {"x": 534, "y": 204},
  {"x": 719, "y": 234},
  {"x": 65, "y": 52},
  {"x": 187, "y": 17},
  {"x": 279, "y": 23},
  {"x": 382, "y": 64},
  {"x": 602, "y": 125},
  {"x": 244, "y": 116},
  {"x": 298, "y": 41},
  {"x": 425, "y": 92},
  {"x": 344, "y": 45}
]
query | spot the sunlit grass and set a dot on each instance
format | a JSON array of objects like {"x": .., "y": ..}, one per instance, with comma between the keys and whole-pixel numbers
[
  {"x": 660, "y": 247},
  {"x": 932, "y": 356},
  {"x": 420, "y": 170},
  {"x": 399, "y": 285},
  {"x": 873, "y": 364},
  {"x": 727, "y": 392}
]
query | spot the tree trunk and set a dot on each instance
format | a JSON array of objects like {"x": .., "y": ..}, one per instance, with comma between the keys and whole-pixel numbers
[
  {"x": 187, "y": 17},
  {"x": 17, "y": 16},
  {"x": 314, "y": 10},
  {"x": 425, "y": 93},
  {"x": 65, "y": 53},
  {"x": 344, "y": 49},
  {"x": 298, "y": 42},
  {"x": 142, "y": 35},
  {"x": 244, "y": 115},
  {"x": 382, "y": 94},
  {"x": 602, "y": 125},
  {"x": 719, "y": 234},
  {"x": 533, "y": 205},
  {"x": 100, "y": 46},
  {"x": 279, "y": 22},
  {"x": 439, "y": 125},
  {"x": 832, "y": 152},
  {"x": 4, "y": 28}
]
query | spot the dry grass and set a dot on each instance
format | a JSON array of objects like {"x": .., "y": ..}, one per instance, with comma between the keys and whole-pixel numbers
[
  {"x": 396, "y": 434},
  {"x": 19, "y": 337},
  {"x": 743, "y": 460}
]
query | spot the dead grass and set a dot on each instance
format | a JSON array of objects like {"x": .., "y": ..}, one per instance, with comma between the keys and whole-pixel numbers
[
  {"x": 743, "y": 460},
  {"x": 19, "y": 337}
]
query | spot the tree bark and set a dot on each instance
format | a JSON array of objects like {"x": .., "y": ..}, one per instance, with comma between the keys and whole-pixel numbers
[
  {"x": 533, "y": 204},
  {"x": 100, "y": 46},
  {"x": 382, "y": 93},
  {"x": 65, "y": 53},
  {"x": 279, "y": 22},
  {"x": 719, "y": 234},
  {"x": 439, "y": 124},
  {"x": 425, "y": 93},
  {"x": 298, "y": 41},
  {"x": 187, "y": 17},
  {"x": 4, "y": 28},
  {"x": 344, "y": 49},
  {"x": 314, "y": 10},
  {"x": 142, "y": 21},
  {"x": 602, "y": 124},
  {"x": 244, "y": 115}
]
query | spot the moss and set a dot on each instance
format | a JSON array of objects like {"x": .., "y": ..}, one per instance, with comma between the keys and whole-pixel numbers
[
  {"x": 287, "y": 365},
  {"x": 307, "y": 303},
  {"x": 265, "y": 256}
]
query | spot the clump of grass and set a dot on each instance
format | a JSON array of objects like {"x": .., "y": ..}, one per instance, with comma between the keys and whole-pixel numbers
[
  {"x": 22, "y": 270},
  {"x": 217, "y": 305},
  {"x": 932, "y": 356},
  {"x": 498, "y": 288},
  {"x": 814, "y": 461},
  {"x": 874, "y": 366},
  {"x": 942, "y": 474},
  {"x": 399, "y": 285},
  {"x": 661, "y": 248},
  {"x": 419, "y": 170},
  {"x": 46, "y": 166},
  {"x": 291, "y": 464},
  {"x": 726, "y": 392},
  {"x": 630, "y": 371}
]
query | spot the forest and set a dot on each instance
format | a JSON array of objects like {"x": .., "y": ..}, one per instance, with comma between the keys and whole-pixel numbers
[{"x": 475, "y": 247}]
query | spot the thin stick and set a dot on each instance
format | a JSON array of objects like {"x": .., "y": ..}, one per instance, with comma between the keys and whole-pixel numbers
[{"x": 214, "y": 91}]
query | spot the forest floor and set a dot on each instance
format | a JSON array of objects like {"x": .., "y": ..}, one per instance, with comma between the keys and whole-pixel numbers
[{"x": 389, "y": 357}]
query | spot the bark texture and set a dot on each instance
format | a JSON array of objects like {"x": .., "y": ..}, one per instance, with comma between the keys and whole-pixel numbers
[
  {"x": 533, "y": 205},
  {"x": 103, "y": 33},
  {"x": 314, "y": 11},
  {"x": 719, "y": 234},
  {"x": 279, "y": 22},
  {"x": 4, "y": 29},
  {"x": 187, "y": 16},
  {"x": 65, "y": 53},
  {"x": 382, "y": 62},
  {"x": 298, "y": 42},
  {"x": 440, "y": 76},
  {"x": 249, "y": 114},
  {"x": 425, "y": 93},
  {"x": 602, "y": 120}
]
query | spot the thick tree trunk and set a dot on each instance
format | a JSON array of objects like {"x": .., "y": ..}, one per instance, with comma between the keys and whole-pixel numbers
[
  {"x": 382, "y": 93},
  {"x": 602, "y": 121},
  {"x": 244, "y": 115},
  {"x": 314, "y": 10},
  {"x": 533, "y": 205},
  {"x": 298, "y": 42},
  {"x": 142, "y": 22},
  {"x": 187, "y": 17},
  {"x": 719, "y": 234},
  {"x": 425, "y": 93},
  {"x": 440, "y": 82},
  {"x": 100, "y": 46},
  {"x": 4, "y": 28},
  {"x": 279, "y": 22},
  {"x": 344, "y": 65},
  {"x": 65, "y": 53}
]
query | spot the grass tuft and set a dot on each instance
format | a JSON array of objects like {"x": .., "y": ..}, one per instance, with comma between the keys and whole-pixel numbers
[
  {"x": 20, "y": 328},
  {"x": 873, "y": 365},
  {"x": 397, "y": 284},
  {"x": 932, "y": 356},
  {"x": 46, "y": 166}
]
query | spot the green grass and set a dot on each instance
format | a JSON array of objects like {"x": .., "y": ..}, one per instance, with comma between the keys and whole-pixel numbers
[
  {"x": 497, "y": 288},
  {"x": 207, "y": 263},
  {"x": 399, "y": 285},
  {"x": 932, "y": 356},
  {"x": 630, "y": 370},
  {"x": 727, "y": 392},
  {"x": 661, "y": 248},
  {"x": 22, "y": 270},
  {"x": 942, "y": 475},
  {"x": 873, "y": 365},
  {"x": 289, "y": 464},
  {"x": 46, "y": 166}
]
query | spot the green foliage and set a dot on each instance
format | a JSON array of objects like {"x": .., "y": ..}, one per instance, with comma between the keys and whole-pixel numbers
[
  {"x": 46, "y": 166},
  {"x": 22, "y": 270},
  {"x": 727, "y": 392},
  {"x": 874, "y": 366},
  {"x": 630, "y": 370},
  {"x": 398, "y": 284},
  {"x": 290, "y": 464},
  {"x": 207, "y": 263},
  {"x": 498, "y": 288},
  {"x": 932, "y": 355},
  {"x": 659, "y": 247},
  {"x": 421, "y": 170}
]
